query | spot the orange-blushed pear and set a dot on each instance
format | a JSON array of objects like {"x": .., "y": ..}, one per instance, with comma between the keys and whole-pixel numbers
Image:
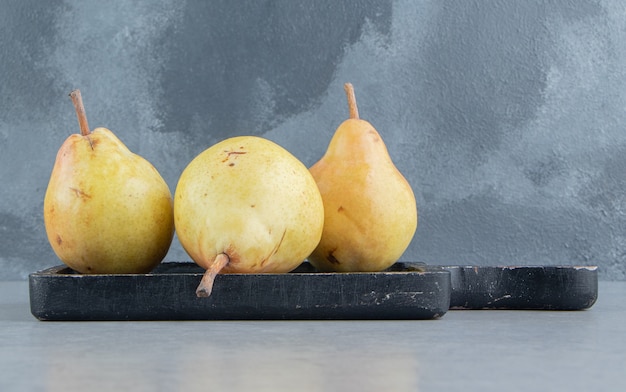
[{"x": 370, "y": 212}]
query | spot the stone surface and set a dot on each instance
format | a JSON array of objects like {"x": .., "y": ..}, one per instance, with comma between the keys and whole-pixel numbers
[
  {"x": 466, "y": 350},
  {"x": 506, "y": 117}
]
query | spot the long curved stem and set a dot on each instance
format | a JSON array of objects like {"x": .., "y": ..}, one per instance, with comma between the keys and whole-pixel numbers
[
  {"x": 80, "y": 112},
  {"x": 206, "y": 284},
  {"x": 354, "y": 110}
]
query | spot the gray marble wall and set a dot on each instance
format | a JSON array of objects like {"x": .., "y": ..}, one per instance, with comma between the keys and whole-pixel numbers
[{"x": 507, "y": 117}]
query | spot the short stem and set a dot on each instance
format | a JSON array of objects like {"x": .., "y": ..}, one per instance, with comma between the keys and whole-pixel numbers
[
  {"x": 354, "y": 111},
  {"x": 80, "y": 112},
  {"x": 206, "y": 284}
]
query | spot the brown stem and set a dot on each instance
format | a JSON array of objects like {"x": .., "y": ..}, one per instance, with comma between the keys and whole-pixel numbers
[
  {"x": 80, "y": 112},
  {"x": 206, "y": 284},
  {"x": 354, "y": 111}
]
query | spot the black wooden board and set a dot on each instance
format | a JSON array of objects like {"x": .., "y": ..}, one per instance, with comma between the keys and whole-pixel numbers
[
  {"x": 168, "y": 293},
  {"x": 523, "y": 287},
  {"x": 404, "y": 291}
]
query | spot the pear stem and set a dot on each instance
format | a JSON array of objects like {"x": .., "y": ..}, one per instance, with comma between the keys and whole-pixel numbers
[
  {"x": 354, "y": 110},
  {"x": 80, "y": 112},
  {"x": 206, "y": 284}
]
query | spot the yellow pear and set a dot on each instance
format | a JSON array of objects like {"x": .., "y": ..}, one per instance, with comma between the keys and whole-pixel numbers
[
  {"x": 106, "y": 209},
  {"x": 370, "y": 213},
  {"x": 247, "y": 205}
]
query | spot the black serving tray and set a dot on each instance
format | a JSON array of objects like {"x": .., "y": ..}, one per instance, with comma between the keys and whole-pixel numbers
[{"x": 406, "y": 291}]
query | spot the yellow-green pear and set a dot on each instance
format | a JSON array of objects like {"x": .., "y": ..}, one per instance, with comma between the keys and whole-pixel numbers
[
  {"x": 370, "y": 213},
  {"x": 247, "y": 205},
  {"x": 106, "y": 209}
]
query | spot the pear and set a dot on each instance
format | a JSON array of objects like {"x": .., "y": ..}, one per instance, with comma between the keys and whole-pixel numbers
[
  {"x": 370, "y": 213},
  {"x": 247, "y": 205},
  {"x": 106, "y": 209}
]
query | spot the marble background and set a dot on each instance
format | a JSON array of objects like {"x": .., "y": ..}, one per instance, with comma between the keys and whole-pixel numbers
[{"x": 506, "y": 117}]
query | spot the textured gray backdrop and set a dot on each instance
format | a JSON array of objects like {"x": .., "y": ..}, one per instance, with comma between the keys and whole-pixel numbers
[{"x": 507, "y": 117}]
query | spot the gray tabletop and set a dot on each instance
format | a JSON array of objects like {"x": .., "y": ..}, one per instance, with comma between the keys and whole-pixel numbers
[{"x": 464, "y": 350}]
